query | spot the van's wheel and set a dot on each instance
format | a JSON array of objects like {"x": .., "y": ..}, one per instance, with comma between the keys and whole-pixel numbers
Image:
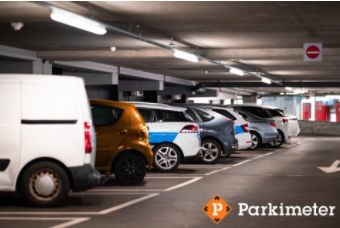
[
  {"x": 166, "y": 157},
  {"x": 255, "y": 140},
  {"x": 211, "y": 151},
  {"x": 278, "y": 141},
  {"x": 45, "y": 184},
  {"x": 130, "y": 168}
]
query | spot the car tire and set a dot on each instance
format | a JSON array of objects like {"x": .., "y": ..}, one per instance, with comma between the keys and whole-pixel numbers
[
  {"x": 45, "y": 184},
  {"x": 130, "y": 168},
  {"x": 211, "y": 151},
  {"x": 278, "y": 142},
  {"x": 256, "y": 141},
  {"x": 166, "y": 157}
]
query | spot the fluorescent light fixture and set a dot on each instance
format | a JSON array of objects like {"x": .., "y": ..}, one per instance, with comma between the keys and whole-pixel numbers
[
  {"x": 77, "y": 21},
  {"x": 300, "y": 91},
  {"x": 185, "y": 55},
  {"x": 113, "y": 48},
  {"x": 266, "y": 80},
  {"x": 236, "y": 71},
  {"x": 289, "y": 88}
]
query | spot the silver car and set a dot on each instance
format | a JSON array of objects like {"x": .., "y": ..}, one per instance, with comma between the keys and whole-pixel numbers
[{"x": 262, "y": 131}]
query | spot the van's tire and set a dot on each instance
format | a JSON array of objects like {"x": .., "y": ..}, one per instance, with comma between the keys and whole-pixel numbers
[
  {"x": 256, "y": 140},
  {"x": 130, "y": 168},
  {"x": 166, "y": 157},
  {"x": 211, "y": 151},
  {"x": 45, "y": 184},
  {"x": 278, "y": 141}
]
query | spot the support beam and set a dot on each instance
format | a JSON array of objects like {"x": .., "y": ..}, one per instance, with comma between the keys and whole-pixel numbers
[
  {"x": 18, "y": 53},
  {"x": 89, "y": 66},
  {"x": 323, "y": 84},
  {"x": 143, "y": 85},
  {"x": 140, "y": 74}
]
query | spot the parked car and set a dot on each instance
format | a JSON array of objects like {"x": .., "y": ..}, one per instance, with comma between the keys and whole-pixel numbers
[
  {"x": 171, "y": 133},
  {"x": 218, "y": 135},
  {"x": 47, "y": 144},
  {"x": 292, "y": 120},
  {"x": 282, "y": 126},
  {"x": 262, "y": 131},
  {"x": 241, "y": 126},
  {"x": 122, "y": 141}
]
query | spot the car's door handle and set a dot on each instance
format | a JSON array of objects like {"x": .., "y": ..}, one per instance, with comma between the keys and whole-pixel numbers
[{"x": 123, "y": 132}]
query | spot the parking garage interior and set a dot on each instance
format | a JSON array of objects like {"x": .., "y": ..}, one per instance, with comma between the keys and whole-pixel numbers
[{"x": 278, "y": 54}]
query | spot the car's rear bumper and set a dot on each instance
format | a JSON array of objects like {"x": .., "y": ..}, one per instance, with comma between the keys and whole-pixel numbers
[{"x": 84, "y": 177}]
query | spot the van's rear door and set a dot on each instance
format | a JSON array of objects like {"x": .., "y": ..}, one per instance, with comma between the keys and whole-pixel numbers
[{"x": 10, "y": 127}]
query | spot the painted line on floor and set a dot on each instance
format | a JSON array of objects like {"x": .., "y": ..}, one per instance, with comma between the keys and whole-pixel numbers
[
  {"x": 73, "y": 221},
  {"x": 195, "y": 179},
  {"x": 262, "y": 155},
  {"x": 241, "y": 163},
  {"x": 101, "y": 212},
  {"x": 168, "y": 177},
  {"x": 216, "y": 171},
  {"x": 125, "y": 190},
  {"x": 127, "y": 204}
]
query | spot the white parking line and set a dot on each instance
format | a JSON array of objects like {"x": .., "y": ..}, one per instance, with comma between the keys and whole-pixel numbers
[
  {"x": 218, "y": 170},
  {"x": 262, "y": 155},
  {"x": 126, "y": 204},
  {"x": 73, "y": 221},
  {"x": 168, "y": 177},
  {"x": 101, "y": 212},
  {"x": 183, "y": 184},
  {"x": 241, "y": 163}
]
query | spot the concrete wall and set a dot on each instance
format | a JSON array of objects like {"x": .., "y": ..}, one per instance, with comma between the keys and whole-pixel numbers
[{"x": 319, "y": 128}]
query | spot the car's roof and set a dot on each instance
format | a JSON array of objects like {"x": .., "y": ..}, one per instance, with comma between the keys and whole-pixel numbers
[
  {"x": 112, "y": 103},
  {"x": 157, "y": 105},
  {"x": 252, "y": 105}
]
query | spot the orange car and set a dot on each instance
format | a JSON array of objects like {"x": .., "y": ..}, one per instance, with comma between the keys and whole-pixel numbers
[{"x": 122, "y": 141}]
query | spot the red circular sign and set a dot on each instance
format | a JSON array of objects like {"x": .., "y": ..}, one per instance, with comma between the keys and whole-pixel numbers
[{"x": 312, "y": 52}]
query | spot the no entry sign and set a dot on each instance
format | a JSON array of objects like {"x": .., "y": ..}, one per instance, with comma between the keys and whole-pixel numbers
[{"x": 312, "y": 52}]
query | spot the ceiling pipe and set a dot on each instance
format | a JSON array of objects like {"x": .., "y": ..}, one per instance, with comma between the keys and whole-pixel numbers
[{"x": 161, "y": 45}]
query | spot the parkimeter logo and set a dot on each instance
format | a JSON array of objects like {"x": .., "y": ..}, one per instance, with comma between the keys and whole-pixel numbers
[{"x": 217, "y": 209}]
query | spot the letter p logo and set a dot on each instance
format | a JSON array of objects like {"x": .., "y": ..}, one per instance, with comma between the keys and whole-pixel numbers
[{"x": 217, "y": 208}]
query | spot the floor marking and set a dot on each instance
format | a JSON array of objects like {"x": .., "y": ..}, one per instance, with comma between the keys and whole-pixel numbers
[
  {"x": 169, "y": 177},
  {"x": 241, "y": 163},
  {"x": 216, "y": 171},
  {"x": 125, "y": 190},
  {"x": 73, "y": 221},
  {"x": 183, "y": 184},
  {"x": 126, "y": 204},
  {"x": 101, "y": 212},
  {"x": 262, "y": 155},
  {"x": 100, "y": 193}
]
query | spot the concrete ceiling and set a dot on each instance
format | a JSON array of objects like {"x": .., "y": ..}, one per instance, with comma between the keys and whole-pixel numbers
[{"x": 265, "y": 35}]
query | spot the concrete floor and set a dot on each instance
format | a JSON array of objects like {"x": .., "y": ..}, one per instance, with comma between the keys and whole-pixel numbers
[{"x": 288, "y": 175}]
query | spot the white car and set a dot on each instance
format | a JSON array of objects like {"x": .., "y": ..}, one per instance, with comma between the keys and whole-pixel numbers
[
  {"x": 291, "y": 120},
  {"x": 172, "y": 135},
  {"x": 241, "y": 126},
  {"x": 47, "y": 144}
]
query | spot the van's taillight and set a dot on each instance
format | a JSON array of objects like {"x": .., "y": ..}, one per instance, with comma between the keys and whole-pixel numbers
[
  {"x": 88, "y": 144},
  {"x": 285, "y": 121},
  {"x": 245, "y": 127},
  {"x": 190, "y": 129},
  {"x": 273, "y": 124}
]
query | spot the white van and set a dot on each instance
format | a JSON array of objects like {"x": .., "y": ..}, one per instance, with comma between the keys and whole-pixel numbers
[{"x": 47, "y": 145}]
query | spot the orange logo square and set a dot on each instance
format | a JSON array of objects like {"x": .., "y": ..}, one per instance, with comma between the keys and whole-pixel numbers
[{"x": 217, "y": 209}]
